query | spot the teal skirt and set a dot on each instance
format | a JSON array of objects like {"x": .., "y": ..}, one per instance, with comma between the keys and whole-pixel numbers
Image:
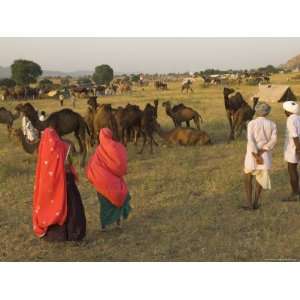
[{"x": 109, "y": 213}]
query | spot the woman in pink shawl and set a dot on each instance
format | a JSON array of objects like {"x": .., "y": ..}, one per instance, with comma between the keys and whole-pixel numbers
[{"x": 105, "y": 171}]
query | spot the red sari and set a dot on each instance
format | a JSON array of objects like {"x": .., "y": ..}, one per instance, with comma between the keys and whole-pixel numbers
[
  {"x": 107, "y": 167},
  {"x": 50, "y": 189}
]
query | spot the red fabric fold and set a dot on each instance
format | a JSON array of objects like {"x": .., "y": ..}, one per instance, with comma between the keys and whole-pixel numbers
[
  {"x": 50, "y": 189},
  {"x": 106, "y": 168}
]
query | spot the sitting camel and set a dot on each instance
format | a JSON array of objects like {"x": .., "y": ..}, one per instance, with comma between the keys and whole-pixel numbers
[
  {"x": 183, "y": 136},
  {"x": 181, "y": 113},
  {"x": 8, "y": 118}
]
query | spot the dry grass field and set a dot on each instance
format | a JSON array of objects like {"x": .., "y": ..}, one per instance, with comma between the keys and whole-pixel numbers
[{"x": 185, "y": 199}]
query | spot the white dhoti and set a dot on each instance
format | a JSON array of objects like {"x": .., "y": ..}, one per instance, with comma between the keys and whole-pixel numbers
[{"x": 262, "y": 177}]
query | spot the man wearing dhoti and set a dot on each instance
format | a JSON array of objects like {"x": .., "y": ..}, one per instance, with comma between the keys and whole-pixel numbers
[
  {"x": 292, "y": 146},
  {"x": 262, "y": 137}
]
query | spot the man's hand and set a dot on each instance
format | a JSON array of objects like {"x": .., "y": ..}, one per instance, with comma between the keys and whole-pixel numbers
[{"x": 258, "y": 158}]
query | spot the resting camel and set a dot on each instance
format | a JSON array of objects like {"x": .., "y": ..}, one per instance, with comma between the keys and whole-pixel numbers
[
  {"x": 232, "y": 104},
  {"x": 243, "y": 115},
  {"x": 64, "y": 121},
  {"x": 181, "y": 113},
  {"x": 8, "y": 118},
  {"x": 104, "y": 118},
  {"x": 183, "y": 136}
]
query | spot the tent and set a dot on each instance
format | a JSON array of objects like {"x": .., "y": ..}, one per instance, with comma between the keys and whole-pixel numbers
[{"x": 275, "y": 93}]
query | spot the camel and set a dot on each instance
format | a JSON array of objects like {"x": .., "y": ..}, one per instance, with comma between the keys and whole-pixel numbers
[
  {"x": 89, "y": 117},
  {"x": 160, "y": 85},
  {"x": 148, "y": 121},
  {"x": 28, "y": 147},
  {"x": 64, "y": 121},
  {"x": 232, "y": 104},
  {"x": 242, "y": 116},
  {"x": 181, "y": 113},
  {"x": 187, "y": 85},
  {"x": 130, "y": 122},
  {"x": 31, "y": 147},
  {"x": 183, "y": 136},
  {"x": 124, "y": 87},
  {"x": 8, "y": 118},
  {"x": 104, "y": 118}
]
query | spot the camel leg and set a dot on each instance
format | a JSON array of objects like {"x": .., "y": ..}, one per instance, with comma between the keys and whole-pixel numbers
[
  {"x": 196, "y": 121},
  {"x": 144, "y": 142},
  {"x": 77, "y": 136},
  {"x": 151, "y": 144},
  {"x": 231, "y": 135},
  {"x": 187, "y": 124}
]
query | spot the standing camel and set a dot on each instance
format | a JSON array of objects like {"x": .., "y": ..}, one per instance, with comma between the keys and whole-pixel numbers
[
  {"x": 232, "y": 104},
  {"x": 64, "y": 121},
  {"x": 8, "y": 118},
  {"x": 243, "y": 115},
  {"x": 187, "y": 85},
  {"x": 181, "y": 113}
]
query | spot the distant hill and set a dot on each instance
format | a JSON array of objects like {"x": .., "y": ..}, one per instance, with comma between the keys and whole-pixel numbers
[{"x": 292, "y": 63}]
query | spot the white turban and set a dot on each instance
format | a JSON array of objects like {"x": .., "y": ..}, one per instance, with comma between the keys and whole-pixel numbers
[{"x": 291, "y": 107}]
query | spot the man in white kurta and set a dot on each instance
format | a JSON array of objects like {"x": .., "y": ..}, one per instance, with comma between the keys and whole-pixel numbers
[
  {"x": 262, "y": 137},
  {"x": 292, "y": 146}
]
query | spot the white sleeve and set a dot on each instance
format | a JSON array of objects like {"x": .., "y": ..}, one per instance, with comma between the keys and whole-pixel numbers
[
  {"x": 272, "y": 142},
  {"x": 251, "y": 139},
  {"x": 291, "y": 125}
]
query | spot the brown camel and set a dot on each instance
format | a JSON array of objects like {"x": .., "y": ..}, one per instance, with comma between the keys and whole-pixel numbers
[
  {"x": 232, "y": 104},
  {"x": 31, "y": 147},
  {"x": 181, "y": 113},
  {"x": 187, "y": 85},
  {"x": 64, "y": 121},
  {"x": 104, "y": 118},
  {"x": 183, "y": 136},
  {"x": 8, "y": 118},
  {"x": 130, "y": 122},
  {"x": 89, "y": 117},
  {"x": 242, "y": 116},
  {"x": 148, "y": 122},
  {"x": 28, "y": 147}
]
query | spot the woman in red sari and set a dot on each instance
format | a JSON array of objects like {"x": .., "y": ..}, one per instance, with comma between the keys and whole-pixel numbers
[
  {"x": 105, "y": 171},
  {"x": 58, "y": 213}
]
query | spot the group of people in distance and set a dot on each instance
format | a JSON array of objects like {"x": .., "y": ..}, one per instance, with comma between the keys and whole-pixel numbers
[
  {"x": 261, "y": 139},
  {"x": 58, "y": 212}
]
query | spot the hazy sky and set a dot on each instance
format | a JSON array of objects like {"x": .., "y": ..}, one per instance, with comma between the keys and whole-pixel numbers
[{"x": 149, "y": 54}]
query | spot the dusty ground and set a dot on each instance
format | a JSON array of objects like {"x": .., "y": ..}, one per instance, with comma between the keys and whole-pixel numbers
[{"x": 185, "y": 200}]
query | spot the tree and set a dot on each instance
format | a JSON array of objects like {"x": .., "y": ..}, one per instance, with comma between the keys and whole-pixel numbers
[
  {"x": 25, "y": 72},
  {"x": 46, "y": 83},
  {"x": 134, "y": 78},
  {"x": 7, "y": 82},
  {"x": 103, "y": 74},
  {"x": 85, "y": 81}
]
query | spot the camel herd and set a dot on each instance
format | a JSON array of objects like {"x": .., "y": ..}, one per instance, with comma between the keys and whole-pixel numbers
[{"x": 130, "y": 123}]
